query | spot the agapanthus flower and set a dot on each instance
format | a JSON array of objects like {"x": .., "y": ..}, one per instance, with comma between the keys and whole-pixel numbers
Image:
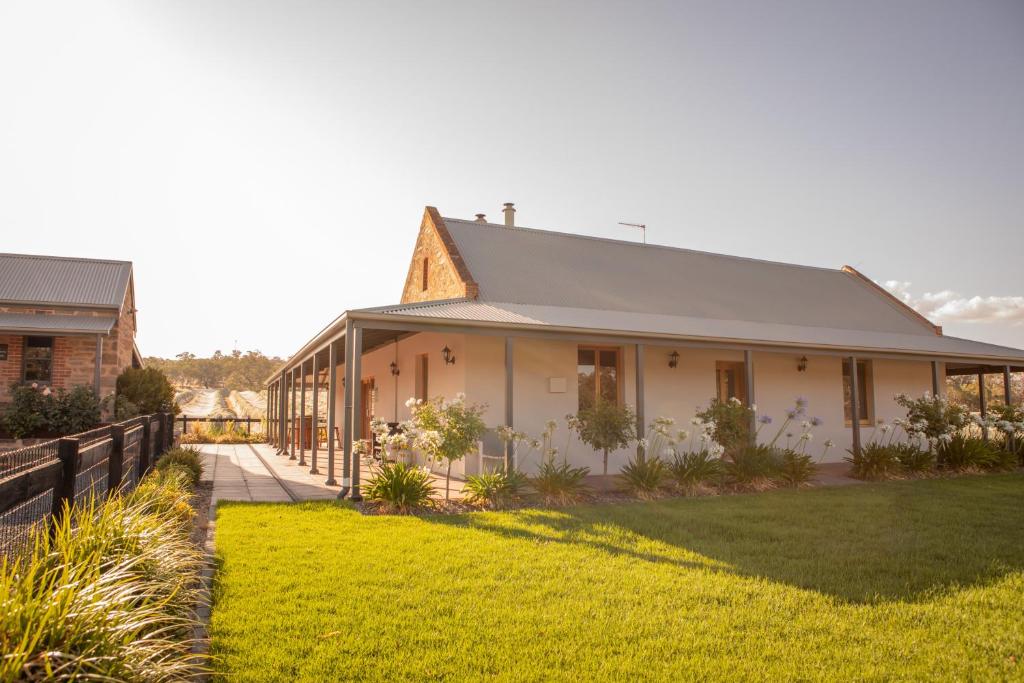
[
  {"x": 765, "y": 419},
  {"x": 817, "y": 422}
]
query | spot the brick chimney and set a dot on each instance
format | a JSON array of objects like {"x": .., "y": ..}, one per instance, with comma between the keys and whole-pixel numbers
[{"x": 510, "y": 214}]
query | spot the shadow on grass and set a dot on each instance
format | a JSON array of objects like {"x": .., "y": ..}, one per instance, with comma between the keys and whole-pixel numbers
[{"x": 866, "y": 544}]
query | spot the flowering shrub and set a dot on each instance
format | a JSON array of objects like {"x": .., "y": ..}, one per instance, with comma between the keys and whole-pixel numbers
[
  {"x": 932, "y": 417},
  {"x": 446, "y": 431},
  {"x": 560, "y": 483},
  {"x": 729, "y": 423}
]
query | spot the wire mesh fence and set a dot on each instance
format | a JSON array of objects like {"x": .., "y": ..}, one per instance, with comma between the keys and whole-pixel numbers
[{"x": 40, "y": 481}]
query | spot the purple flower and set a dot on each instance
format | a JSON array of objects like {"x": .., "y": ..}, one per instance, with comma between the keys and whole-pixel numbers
[
  {"x": 801, "y": 402},
  {"x": 765, "y": 419},
  {"x": 817, "y": 422},
  {"x": 791, "y": 413}
]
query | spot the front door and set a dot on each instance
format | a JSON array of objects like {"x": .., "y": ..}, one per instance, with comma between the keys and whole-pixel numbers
[{"x": 366, "y": 404}]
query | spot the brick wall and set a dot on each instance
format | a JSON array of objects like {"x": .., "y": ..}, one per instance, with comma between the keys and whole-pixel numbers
[{"x": 74, "y": 357}]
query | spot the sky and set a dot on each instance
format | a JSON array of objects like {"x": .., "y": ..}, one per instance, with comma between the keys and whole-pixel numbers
[{"x": 265, "y": 165}]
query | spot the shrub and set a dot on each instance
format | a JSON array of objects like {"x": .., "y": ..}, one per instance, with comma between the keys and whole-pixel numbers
[
  {"x": 27, "y": 412},
  {"x": 965, "y": 453},
  {"x": 1003, "y": 460},
  {"x": 793, "y": 468},
  {"x": 108, "y": 595},
  {"x": 447, "y": 431},
  {"x": 228, "y": 432},
  {"x": 185, "y": 458},
  {"x": 143, "y": 391},
  {"x": 495, "y": 489},
  {"x": 644, "y": 476},
  {"x": 932, "y": 416},
  {"x": 560, "y": 483},
  {"x": 605, "y": 426},
  {"x": 695, "y": 469},
  {"x": 750, "y": 467},
  {"x": 913, "y": 459},
  {"x": 77, "y": 410},
  {"x": 731, "y": 420},
  {"x": 875, "y": 461},
  {"x": 400, "y": 486}
]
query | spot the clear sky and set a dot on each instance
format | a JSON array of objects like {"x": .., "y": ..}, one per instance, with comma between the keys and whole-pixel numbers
[{"x": 265, "y": 164}]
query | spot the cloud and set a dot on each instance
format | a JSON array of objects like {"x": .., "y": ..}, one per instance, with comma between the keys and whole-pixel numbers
[{"x": 948, "y": 307}]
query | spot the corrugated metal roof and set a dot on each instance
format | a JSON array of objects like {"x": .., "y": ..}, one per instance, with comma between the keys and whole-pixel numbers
[
  {"x": 641, "y": 324},
  {"x": 526, "y": 266},
  {"x": 54, "y": 324},
  {"x": 63, "y": 281}
]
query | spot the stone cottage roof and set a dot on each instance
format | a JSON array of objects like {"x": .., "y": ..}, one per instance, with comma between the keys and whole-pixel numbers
[{"x": 59, "y": 281}]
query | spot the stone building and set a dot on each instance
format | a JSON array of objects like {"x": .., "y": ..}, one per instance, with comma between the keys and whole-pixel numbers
[{"x": 65, "y": 322}]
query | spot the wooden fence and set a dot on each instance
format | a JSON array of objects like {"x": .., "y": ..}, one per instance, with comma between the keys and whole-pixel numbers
[
  {"x": 237, "y": 422},
  {"x": 39, "y": 483}
]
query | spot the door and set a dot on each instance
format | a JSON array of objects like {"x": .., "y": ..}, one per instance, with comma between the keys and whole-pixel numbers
[
  {"x": 366, "y": 404},
  {"x": 732, "y": 381}
]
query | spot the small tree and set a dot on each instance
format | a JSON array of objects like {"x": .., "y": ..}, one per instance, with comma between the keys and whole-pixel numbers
[
  {"x": 142, "y": 391},
  {"x": 605, "y": 426},
  {"x": 447, "y": 431},
  {"x": 731, "y": 423}
]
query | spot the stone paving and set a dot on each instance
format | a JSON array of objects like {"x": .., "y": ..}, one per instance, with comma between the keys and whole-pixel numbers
[{"x": 238, "y": 473}]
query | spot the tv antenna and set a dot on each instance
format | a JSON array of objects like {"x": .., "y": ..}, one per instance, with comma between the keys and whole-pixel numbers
[{"x": 643, "y": 229}]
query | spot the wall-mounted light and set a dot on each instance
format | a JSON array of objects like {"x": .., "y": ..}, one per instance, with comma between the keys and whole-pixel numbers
[
  {"x": 394, "y": 369},
  {"x": 673, "y": 359},
  {"x": 449, "y": 357},
  {"x": 801, "y": 365}
]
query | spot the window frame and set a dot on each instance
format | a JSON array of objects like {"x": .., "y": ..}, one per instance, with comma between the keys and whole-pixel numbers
[
  {"x": 619, "y": 379},
  {"x": 24, "y": 359},
  {"x": 867, "y": 390}
]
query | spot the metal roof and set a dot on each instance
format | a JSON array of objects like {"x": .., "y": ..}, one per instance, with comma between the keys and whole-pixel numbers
[
  {"x": 59, "y": 281},
  {"x": 591, "y": 320},
  {"x": 525, "y": 266},
  {"x": 31, "y": 323}
]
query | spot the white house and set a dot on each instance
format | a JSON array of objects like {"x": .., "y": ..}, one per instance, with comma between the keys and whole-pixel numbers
[{"x": 534, "y": 322}]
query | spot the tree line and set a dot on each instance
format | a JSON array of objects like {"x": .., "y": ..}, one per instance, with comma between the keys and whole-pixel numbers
[{"x": 236, "y": 370}]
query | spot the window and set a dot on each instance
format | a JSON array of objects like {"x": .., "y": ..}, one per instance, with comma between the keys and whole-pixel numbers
[
  {"x": 731, "y": 380},
  {"x": 865, "y": 403},
  {"x": 598, "y": 370},
  {"x": 38, "y": 359},
  {"x": 426, "y": 273},
  {"x": 422, "y": 373}
]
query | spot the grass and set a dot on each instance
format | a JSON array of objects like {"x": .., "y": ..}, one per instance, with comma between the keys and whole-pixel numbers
[{"x": 898, "y": 580}]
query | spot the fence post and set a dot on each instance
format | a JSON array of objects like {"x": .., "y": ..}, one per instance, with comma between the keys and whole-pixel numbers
[
  {"x": 64, "y": 487},
  {"x": 115, "y": 463},
  {"x": 184, "y": 423},
  {"x": 144, "y": 448},
  {"x": 248, "y": 425},
  {"x": 169, "y": 443}
]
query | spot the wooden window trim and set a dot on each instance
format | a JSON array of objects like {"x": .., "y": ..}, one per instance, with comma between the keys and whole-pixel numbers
[
  {"x": 425, "y": 284},
  {"x": 24, "y": 358},
  {"x": 619, "y": 378},
  {"x": 867, "y": 389}
]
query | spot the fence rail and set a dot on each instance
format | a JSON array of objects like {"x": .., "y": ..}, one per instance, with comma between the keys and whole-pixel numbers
[
  {"x": 249, "y": 422},
  {"x": 39, "y": 483}
]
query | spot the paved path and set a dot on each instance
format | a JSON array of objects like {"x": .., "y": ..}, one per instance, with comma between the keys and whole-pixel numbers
[{"x": 238, "y": 473}]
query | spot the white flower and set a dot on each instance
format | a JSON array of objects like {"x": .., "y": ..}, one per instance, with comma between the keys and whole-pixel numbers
[
  {"x": 696, "y": 421},
  {"x": 884, "y": 428},
  {"x": 753, "y": 406},
  {"x": 805, "y": 424},
  {"x": 735, "y": 401},
  {"x": 642, "y": 443},
  {"x": 682, "y": 435},
  {"x": 806, "y": 436},
  {"x": 829, "y": 443},
  {"x": 410, "y": 402},
  {"x": 35, "y": 385},
  {"x": 46, "y": 391}
]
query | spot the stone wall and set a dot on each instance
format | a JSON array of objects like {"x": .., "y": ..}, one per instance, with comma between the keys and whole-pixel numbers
[{"x": 447, "y": 275}]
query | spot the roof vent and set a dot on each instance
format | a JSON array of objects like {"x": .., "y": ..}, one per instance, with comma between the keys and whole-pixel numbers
[
  {"x": 510, "y": 214},
  {"x": 481, "y": 218}
]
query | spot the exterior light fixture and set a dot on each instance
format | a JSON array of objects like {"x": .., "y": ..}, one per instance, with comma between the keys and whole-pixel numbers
[
  {"x": 801, "y": 365},
  {"x": 673, "y": 359},
  {"x": 449, "y": 357},
  {"x": 394, "y": 369}
]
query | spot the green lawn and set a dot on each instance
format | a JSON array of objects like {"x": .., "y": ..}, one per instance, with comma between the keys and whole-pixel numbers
[{"x": 903, "y": 580}]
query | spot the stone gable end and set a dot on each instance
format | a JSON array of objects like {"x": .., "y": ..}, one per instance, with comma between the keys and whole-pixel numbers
[{"x": 447, "y": 276}]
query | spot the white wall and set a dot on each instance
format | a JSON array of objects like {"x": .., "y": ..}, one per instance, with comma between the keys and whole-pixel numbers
[{"x": 479, "y": 372}]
